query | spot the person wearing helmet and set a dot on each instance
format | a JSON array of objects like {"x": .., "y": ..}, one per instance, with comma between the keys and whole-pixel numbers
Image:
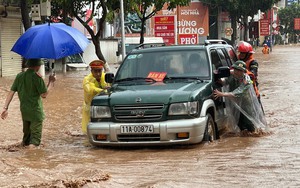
[
  {"x": 265, "y": 49},
  {"x": 246, "y": 54},
  {"x": 238, "y": 81},
  {"x": 250, "y": 116}
]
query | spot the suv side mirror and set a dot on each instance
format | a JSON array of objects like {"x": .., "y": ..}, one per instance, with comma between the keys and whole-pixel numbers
[
  {"x": 109, "y": 77},
  {"x": 222, "y": 72}
]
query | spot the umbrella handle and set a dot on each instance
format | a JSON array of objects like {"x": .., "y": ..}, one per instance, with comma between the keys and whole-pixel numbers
[{"x": 52, "y": 71}]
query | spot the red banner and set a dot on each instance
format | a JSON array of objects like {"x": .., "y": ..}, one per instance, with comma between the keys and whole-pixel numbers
[
  {"x": 164, "y": 26},
  {"x": 164, "y": 20},
  {"x": 264, "y": 27},
  {"x": 193, "y": 19},
  {"x": 188, "y": 39},
  {"x": 165, "y": 34},
  {"x": 297, "y": 23},
  {"x": 157, "y": 76},
  {"x": 169, "y": 40}
]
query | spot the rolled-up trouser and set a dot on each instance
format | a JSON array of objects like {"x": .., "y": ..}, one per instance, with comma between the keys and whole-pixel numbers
[{"x": 32, "y": 132}]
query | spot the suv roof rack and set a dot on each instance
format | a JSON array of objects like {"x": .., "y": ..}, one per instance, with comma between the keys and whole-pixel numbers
[
  {"x": 214, "y": 41},
  {"x": 149, "y": 45}
]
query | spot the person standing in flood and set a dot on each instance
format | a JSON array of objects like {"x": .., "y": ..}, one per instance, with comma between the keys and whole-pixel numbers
[
  {"x": 246, "y": 54},
  {"x": 241, "y": 93},
  {"x": 31, "y": 88},
  {"x": 93, "y": 84},
  {"x": 265, "y": 49}
]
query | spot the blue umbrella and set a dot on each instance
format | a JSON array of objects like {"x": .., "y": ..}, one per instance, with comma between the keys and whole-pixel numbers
[{"x": 51, "y": 41}]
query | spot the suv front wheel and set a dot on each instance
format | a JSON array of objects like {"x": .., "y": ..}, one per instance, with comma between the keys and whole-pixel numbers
[{"x": 210, "y": 133}]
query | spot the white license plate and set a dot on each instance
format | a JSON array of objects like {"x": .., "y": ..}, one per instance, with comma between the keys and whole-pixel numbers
[{"x": 137, "y": 129}]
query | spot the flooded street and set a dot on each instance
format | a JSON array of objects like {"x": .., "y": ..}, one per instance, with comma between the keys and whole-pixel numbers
[{"x": 66, "y": 158}]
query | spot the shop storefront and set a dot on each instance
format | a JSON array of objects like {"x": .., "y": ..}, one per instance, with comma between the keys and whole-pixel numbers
[{"x": 10, "y": 31}]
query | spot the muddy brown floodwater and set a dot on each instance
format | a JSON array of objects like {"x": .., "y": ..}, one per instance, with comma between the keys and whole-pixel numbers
[{"x": 66, "y": 159}]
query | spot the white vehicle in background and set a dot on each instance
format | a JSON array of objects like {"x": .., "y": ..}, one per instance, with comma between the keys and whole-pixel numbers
[{"x": 76, "y": 62}]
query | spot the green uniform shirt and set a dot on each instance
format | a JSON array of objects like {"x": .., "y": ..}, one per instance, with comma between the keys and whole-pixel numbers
[
  {"x": 30, "y": 86},
  {"x": 239, "y": 87}
]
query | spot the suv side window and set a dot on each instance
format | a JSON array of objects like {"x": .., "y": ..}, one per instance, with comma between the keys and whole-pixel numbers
[
  {"x": 231, "y": 55},
  {"x": 222, "y": 57},
  {"x": 216, "y": 60}
]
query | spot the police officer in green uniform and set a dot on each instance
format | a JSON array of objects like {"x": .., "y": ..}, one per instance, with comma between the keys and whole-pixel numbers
[
  {"x": 239, "y": 90},
  {"x": 31, "y": 88}
]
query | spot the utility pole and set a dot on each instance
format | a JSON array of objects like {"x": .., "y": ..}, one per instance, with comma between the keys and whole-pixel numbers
[
  {"x": 122, "y": 30},
  {"x": 271, "y": 29}
]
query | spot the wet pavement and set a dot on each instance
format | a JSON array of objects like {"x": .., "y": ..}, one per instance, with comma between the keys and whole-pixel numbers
[{"x": 66, "y": 159}]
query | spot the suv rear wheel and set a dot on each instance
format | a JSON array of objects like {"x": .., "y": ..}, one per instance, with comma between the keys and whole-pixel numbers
[{"x": 210, "y": 130}]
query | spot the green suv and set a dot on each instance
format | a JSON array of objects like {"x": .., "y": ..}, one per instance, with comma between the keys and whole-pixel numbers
[{"x": 163, "y": 95}]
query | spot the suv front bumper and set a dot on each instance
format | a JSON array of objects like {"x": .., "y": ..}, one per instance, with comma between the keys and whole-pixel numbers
[{"x": 165, "y": 133}]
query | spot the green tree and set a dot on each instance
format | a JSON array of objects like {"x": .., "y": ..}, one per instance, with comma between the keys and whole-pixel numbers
[
  {"x": 25, "y": 8},
  {"x": 67, "y": 9},
  {"x": 240, "y": 10},
  {"x": 287, "y": 16},
  {"x": 145, "y": 9},
  {"x": 78, "y": 9}
]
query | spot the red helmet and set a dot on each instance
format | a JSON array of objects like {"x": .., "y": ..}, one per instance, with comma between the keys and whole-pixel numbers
[{"x": 245, "y": 47}]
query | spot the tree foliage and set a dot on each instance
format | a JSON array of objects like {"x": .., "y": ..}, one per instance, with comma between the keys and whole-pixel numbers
[
  {"x": 239, "y": 10},
  {"x": 287, "y": 16},
  {"x": 145, "y": 9},
  {"x": 78, "y": 9},
  {"x": 105, "y": 11}
]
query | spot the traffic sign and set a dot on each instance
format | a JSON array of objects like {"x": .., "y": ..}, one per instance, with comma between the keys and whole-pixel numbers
[{"x": 228, "y": 31}]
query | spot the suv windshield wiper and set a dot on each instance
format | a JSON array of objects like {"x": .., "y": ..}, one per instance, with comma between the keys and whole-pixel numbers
[{"x": 136, "y": 78}]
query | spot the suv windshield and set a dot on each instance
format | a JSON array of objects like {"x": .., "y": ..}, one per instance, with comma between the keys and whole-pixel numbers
[{"x": 176, "y": 64}]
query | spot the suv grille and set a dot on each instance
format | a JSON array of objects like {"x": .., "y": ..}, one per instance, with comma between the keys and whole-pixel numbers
[
  {"x": 135, "y": 118},
  {"x": 138, "y": 137},
  {"x": 144, "y": 112},
  {"x": 138, "y": 107}
]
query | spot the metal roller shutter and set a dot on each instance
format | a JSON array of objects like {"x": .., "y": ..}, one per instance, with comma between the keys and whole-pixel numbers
[{"x": 10, "y": 31}]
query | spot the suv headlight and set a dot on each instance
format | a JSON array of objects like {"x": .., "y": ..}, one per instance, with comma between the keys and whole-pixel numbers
[
  {"x": 100, "y": 112},
  {"x": 187, "y": 108}
]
